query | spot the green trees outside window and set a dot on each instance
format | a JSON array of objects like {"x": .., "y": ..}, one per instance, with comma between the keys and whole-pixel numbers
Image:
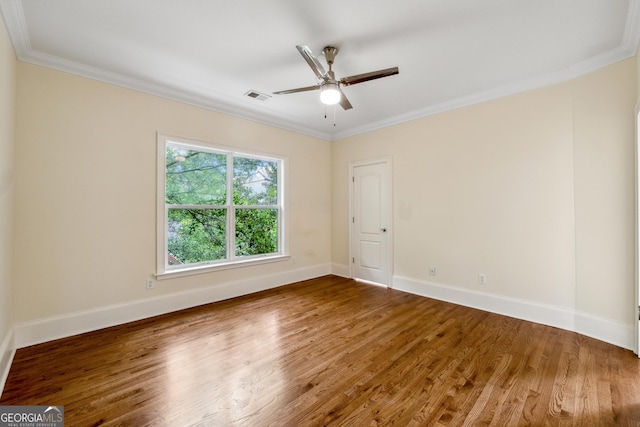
[{"x": 216, "y": 201}]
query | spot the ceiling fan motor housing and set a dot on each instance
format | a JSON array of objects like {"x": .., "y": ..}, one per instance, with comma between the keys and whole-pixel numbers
[{"x": 330, "y": 53}]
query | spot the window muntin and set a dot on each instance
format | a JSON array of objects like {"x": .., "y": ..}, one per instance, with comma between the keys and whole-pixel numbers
[{"x": 219, "y": 206}]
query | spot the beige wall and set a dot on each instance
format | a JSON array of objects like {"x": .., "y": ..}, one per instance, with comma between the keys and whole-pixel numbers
[
  {"x": 604, "y": 156},
  {"x": 7, "y": 114},
  {"x": 86, "y": 192},
  {"x": 535, "y": 190}
]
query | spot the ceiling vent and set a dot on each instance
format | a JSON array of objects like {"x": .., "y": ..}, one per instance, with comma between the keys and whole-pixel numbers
[{"x": 257, "y": 95}]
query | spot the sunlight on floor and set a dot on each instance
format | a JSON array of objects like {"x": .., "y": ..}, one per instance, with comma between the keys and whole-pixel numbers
[
  {"x": 243, "y": 384},
  {"x": 367, "y": 282}
]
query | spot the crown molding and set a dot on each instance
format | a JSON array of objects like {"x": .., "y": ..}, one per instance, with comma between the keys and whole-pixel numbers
[
  {"x": 17, "y": 29},
  {"x": 220, "y": 106},
  {"x": 560, "y": 76},
  {"x": 627, "y": 49},
  {"x": 16, "y": 25},
  {"x": 19, "y": 35},
  {"x": 631, "y": 38}
]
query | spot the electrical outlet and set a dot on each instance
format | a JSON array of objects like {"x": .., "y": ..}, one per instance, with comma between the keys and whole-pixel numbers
[
  {"x": 150, "y": 284},
  {"x": 432, "y": 271},
  {"x": 482, "y": 279}
]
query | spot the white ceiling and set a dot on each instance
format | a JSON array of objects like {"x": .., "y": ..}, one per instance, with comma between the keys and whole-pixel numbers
[{"x": 211, "y": 52}]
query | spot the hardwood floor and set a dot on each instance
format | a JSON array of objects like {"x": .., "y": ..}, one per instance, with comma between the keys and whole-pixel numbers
[{"x": 330, "y": 351}]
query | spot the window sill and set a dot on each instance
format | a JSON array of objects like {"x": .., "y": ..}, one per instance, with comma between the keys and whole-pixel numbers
[{"x": 218, "y": 267}]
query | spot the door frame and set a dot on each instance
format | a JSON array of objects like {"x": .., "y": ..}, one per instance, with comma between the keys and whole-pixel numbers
[
  {"x": 636, "y": 304},
  {"x": 388, "y": 161}
]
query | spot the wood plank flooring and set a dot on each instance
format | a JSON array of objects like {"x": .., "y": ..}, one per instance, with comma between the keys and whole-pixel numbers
[{"x": 330, "y": 352}]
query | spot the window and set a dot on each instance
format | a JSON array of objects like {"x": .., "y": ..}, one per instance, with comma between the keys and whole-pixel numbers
[{"x": 217, "y": 207}]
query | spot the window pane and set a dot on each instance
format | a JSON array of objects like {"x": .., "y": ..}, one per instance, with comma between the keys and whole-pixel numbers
[
  {"x": 195, "y": 177},
  {"x": 256, "y": 231},
  {"x": 196, "y": 235},
  {"x": 255, "y": 181}
]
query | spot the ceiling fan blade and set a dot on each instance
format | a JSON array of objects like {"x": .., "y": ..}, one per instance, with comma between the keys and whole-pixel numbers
[
  {"x": 344, "y": 102},
  {"x": 300, "y": 89},
  {"x": 365, "y": 77},
  {"x": 313, "y": 62}
]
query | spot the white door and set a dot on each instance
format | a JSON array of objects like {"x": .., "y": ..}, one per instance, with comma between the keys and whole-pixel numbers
[{"x": 371, "y": 223}]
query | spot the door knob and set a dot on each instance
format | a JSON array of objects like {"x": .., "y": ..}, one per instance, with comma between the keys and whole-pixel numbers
[{"x": 384, "y": 230}]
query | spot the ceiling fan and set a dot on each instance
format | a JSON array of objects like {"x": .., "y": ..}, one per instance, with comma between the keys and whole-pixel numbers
[{"x": 330, "y": 91}]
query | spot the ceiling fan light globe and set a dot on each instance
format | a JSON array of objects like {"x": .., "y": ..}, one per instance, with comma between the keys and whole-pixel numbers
[{"x": 330, "y": 95}]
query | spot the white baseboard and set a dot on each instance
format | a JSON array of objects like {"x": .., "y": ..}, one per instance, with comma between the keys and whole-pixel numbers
[
  {"x": 42, "y": 330},
  {"x": 341, "y": 270},
  {"x": 7, "y": 351},
  {"x": 607, "y": 330},
  {"x": 52, "y": 328}
]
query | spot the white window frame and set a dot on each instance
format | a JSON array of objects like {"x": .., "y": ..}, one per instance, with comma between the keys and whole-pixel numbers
[{"x": 163, "y": 269}]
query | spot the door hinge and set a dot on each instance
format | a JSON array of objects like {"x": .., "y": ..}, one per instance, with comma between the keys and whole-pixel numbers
[
  {"x": 353, "y": 219},
  {"x": 353, "y": 260}
]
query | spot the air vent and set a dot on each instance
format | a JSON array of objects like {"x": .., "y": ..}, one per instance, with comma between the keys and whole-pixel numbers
[{"x": 257, "y": 95}]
